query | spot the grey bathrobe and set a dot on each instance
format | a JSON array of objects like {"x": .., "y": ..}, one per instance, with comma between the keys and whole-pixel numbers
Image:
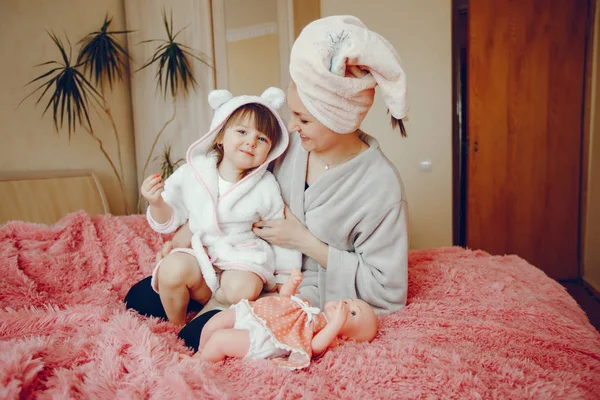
[{"x": 359, "y": 209}]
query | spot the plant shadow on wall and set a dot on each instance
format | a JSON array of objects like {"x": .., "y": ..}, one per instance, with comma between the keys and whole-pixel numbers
[{"x": 75, "y": 87}]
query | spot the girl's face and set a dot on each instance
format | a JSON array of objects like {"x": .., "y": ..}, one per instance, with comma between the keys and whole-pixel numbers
[
  {"x": 314, "y": 135},
  {"x": 244, "y": 146}
]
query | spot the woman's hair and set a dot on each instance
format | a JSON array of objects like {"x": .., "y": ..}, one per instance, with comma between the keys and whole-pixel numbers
[
  {"x": 264, "y": 121},
  {"x": 397, "y": 123}
]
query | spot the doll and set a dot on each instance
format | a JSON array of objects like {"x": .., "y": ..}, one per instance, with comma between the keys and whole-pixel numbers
[{"x": 285, "y": 328}]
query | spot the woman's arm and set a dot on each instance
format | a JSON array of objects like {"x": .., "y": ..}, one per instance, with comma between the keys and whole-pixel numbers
[{"x": 377, "y": 270}]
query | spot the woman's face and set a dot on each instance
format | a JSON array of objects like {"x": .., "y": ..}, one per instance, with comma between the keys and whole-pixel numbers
[{"x": 314, "y": 135}]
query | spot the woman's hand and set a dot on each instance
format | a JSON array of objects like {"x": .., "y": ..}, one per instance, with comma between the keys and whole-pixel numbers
[
  {"x": 292, "y": 234},
  {"x": 288, "y": 232}
]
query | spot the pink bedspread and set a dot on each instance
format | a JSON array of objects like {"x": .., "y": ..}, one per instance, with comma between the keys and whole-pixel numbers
[{"x": 476, "y": 326}]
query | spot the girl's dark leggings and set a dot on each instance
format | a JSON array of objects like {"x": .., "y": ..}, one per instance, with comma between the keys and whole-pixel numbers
[{"x": 143, "y": 299}]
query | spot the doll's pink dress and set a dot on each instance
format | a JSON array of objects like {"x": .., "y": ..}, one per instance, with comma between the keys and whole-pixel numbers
[{"x": 280, "y": 328}]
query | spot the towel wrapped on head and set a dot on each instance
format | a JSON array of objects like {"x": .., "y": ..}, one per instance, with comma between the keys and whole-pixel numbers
[{"x": 336, "y": 63}]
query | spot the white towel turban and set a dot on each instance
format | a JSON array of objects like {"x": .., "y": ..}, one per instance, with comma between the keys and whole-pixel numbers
[{"x": 336, "y": 63}]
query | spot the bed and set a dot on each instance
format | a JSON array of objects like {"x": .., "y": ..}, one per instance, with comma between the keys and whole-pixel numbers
[{"x": 476, "y": 326}]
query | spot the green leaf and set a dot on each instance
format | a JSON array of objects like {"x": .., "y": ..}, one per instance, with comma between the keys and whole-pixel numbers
[
  {"x": 172, "y": 60},
  {"x": 71, "y": 91},
  {"x": 102, "y": 56}
]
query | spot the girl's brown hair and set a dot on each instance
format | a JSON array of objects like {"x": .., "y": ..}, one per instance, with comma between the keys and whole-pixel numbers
[{"x": 264, "y": 121}]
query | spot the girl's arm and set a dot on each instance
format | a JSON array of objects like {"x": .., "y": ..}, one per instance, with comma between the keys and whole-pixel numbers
[
  {"x": 168, "y": 212},
  {"x": 160, "y": 211},
  {"x": 152, "y": 189}
]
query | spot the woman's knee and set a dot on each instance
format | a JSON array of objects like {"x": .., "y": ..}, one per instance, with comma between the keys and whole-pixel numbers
[{"x": 178, "y": 270}]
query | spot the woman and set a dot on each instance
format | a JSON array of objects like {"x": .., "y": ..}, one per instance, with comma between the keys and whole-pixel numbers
[{"x": 347, "y": 209}]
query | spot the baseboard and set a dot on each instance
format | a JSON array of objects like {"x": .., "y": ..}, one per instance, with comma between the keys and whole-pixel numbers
[{"x": 589, "y": 286}]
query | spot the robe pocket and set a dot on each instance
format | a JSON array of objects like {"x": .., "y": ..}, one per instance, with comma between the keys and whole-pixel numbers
[{"x": 246, "y": 245}]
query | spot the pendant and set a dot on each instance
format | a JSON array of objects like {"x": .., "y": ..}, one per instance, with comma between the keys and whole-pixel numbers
[{"x": 326, "y": 167}]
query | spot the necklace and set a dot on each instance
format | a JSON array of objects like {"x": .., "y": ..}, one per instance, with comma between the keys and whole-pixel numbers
[{"x": 329, "y": 165}]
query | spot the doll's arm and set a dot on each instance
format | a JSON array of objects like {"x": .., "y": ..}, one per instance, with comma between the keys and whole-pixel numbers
[
  {"x": 323, "y": 339},
  {"x": 327, "y": 335},
  {"x": 289, "y": 287}
]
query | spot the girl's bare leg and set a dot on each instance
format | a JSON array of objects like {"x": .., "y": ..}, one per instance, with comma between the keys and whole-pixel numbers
[
  {"x": 225, "y": 343},
  {"x": 238, "y": 285},
  {"x": 179, "y": 279}
]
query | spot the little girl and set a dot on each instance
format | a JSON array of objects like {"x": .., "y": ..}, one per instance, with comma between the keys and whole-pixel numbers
[
  {"x": 222, "y": 190},
  {"x": 285, "y": 329}
]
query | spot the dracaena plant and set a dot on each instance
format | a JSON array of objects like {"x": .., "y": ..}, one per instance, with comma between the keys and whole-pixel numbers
[
  {"x": 71, "y": 96},
  {"x": 173, "y": 61},
  {"x": 104, "y": 61}
]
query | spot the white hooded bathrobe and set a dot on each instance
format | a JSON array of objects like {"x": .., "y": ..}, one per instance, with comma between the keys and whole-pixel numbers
[{"x": 223, "y": 221}]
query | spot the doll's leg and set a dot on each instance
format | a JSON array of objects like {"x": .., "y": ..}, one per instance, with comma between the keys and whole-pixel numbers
[
  {"x": 179, "y": 278},
  {"x": 223, "y": 320},
  {"x": 238, "y": 285},
  {"x": 225, "y": 343}
]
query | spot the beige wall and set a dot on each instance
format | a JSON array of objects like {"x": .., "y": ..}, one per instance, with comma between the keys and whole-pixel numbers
[
  {"x": 29, "y": 142},
  {"x": 242, "y": 13},
  {"x": 253, "y": 65},
  {"x": 305, "y": 11},
  {"x": 591, "y": 256},
  {"x": 420, "y": 30}
]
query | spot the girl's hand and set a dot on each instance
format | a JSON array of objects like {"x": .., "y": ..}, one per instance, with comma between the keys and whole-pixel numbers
[
  {"x": 288, "y": 232},
  {"x": 151, "y": 189}
]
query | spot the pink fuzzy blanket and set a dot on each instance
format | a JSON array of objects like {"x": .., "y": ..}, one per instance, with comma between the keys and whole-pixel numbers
[{"x": 476, "y": 326}]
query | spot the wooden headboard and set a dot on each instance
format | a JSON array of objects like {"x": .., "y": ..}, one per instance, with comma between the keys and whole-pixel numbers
[{"x": 45, "y": 197}]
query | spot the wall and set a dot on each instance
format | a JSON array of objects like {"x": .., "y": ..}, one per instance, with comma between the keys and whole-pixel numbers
[
  {"x": 305, "y": 11},
  {"x": 253, "y": 64},
  {"x": 29, "y": 140},
  {"x": 420, "y": 30},
  {"x": 252, "y": 52},
  {"x": 242, "y": 13},
  {"x": 591, "y": 255}
]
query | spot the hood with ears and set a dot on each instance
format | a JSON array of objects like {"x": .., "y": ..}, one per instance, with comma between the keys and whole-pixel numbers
[{"x": 224, "y": 104}]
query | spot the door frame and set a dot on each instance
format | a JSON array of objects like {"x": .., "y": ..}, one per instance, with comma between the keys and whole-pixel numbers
[
  {"x": 460, "y": 142},
  {"x": 586, "y": 134},
  {"x": 285, "y": 30}
]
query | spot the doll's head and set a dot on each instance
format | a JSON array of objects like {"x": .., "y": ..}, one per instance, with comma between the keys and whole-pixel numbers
[{"x": 361, "y": 324}]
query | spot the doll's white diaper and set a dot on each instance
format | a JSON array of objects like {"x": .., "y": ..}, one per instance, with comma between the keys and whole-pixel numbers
[{"x": 262, "y": 343}]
